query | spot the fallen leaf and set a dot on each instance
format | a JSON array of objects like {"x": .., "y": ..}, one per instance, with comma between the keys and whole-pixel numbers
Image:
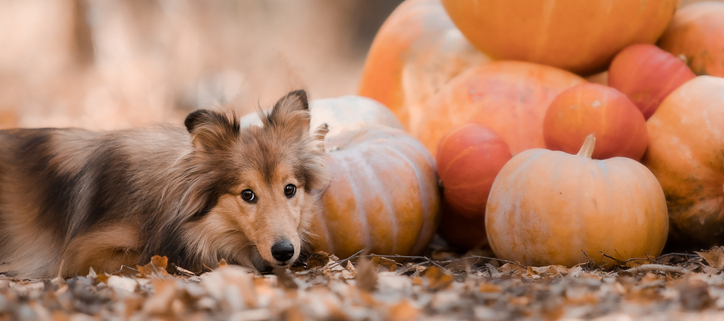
[
  {"x": 714, "y": 257},
  {"x": 694, "y": 295},
  {"x": 390, "y": 265},
  {"x": 437, "y": 279},
  {"x": 318, "y": 259},
  {"x": 366, "y": 275},
  {"x": 156, "y": 267},
  {"x": 120, "y": 283},
  {"x": 403, "y": 311},
  {"x": 102, "y": 278},
  {"x": 160, "y": 302},
  {"x": 486, "y": 287},
  {"x": 285, "y": 279}
]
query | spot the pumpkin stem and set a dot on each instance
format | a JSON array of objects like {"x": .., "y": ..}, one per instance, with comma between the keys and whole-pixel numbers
[{"x": 588, "y": 145}]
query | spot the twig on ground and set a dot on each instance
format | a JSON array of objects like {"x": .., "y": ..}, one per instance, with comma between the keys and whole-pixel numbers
[
  {"x": 185, "y": 271},
  {"x": 590, "y": 260},
  {"x": 412, "y": 257},
  {"x": 493, "y": 258},
  {"x": 615, "y": 259},
  {"x": 339, "y": 262},
  {"x": 657, "y": 268}
]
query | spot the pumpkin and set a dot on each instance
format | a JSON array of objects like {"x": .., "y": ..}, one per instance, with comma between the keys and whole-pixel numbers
[
  {"x": 510, "y": 97},
  {"x": 697, "y": 34},
  {"x": 383, "y": 196},
  {"x": 550, "y": 207},
  {"x": 579, "y": 36},
  {"x": 596, "y": 109},
  {"x": 341, "y": 114},
  {"x": 647, "y": 74},
  {"x": 415, "y": 52},
  {"x": 468, "y": 159},
  {"x": 686, "y": 153},
  {"x": 460, "y": 231}
]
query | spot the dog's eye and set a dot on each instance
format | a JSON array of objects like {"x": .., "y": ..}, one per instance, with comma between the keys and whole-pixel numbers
[
  {"x": 248, "y": 196},
  {"x": 290, "y": 190}
]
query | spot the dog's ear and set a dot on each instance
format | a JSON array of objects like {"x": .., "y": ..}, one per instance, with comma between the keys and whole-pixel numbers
[
  {"x": 212, "y": 130},
  {"x": 291, "y": 113}
]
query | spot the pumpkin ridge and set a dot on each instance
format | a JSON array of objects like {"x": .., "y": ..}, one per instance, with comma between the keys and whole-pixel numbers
[
  {"x": 465, "y": 152},
  {"x": 349, "y": 160},
  {"x": 371, "y": 176},
  {"x": 420, "y": 243}
]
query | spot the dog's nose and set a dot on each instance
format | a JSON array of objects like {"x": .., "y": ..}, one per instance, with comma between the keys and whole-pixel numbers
[{"x": 282, "y": 250}]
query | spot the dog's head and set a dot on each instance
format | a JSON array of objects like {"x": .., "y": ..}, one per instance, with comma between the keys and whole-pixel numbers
[{"x": 271, "y": 176}]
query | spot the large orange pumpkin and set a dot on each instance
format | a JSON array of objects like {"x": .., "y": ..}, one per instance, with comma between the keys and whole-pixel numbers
[
  {"x": 510, "y": 97},
  {"x": 587, "y": 109},
  {"x": 550, "y": 207},
  {"x": 686, "y": 153},
  {"x": 647, "y": 74},
  {"x": 580, "y": 36},
  {"x": 383, "y": 196},
  {"x": 697, "y": 34},
  {"x": 415, "y": 52}
]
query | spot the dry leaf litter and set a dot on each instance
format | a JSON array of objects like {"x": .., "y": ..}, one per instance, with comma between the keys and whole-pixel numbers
[{"x": 440, "y": 286}]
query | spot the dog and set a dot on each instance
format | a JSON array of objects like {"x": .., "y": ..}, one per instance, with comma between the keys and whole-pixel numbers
[{"x": 72, "y": 199}]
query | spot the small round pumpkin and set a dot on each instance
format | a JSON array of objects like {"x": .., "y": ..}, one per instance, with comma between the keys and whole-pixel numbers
[
  {"x": 415, "y": 52},
  {"x": 550, "y": 207},
  {"x": 647, "y": 74},
  {"x": 579, "y": 36},
  {"x": 468, "y": 159},
  {"x": 596, "y": 109},
  {"x": 511, "y": 97},
  {"x": 697, "y": 34},
  {"x": 383, "y": 195},
  {"x": 686, "y": 153}
]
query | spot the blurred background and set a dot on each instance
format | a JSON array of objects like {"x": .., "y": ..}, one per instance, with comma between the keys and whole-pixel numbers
[{"x": 108, "y": 64}]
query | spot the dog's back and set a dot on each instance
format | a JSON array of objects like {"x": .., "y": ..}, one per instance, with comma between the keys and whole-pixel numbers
[{"x": 67, "y": 192}]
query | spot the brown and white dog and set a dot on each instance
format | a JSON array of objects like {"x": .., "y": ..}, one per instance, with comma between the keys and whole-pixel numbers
[{"x": 72, "y": 199}]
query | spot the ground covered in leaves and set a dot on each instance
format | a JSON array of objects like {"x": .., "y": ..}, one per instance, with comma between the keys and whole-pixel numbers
[{"x": 440, "y": 286}]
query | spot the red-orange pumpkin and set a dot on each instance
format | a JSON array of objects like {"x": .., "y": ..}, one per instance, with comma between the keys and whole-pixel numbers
[
  {"x": 460, "y": 231},
  {"x": 550, "y": 207},
  {"x": 587, "y": 109},
  {"x": 383, "y": 196},
  {"x": 580, "y": 36},
  {"x": 510, "y": 97},
  {"x": 468, "y": 159},
  {"x": 647, "y": 74},
  {"x": 686, "y": 153},
  {"x": 415, "y": 52},
  {"x": 697, "y": 34}
]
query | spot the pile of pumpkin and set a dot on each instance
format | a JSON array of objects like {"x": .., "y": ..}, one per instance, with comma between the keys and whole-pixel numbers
[{"x": 542, "y": 164}]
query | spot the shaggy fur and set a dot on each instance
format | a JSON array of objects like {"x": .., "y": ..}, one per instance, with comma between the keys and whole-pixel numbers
[{"x": 72, "y": 199}]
